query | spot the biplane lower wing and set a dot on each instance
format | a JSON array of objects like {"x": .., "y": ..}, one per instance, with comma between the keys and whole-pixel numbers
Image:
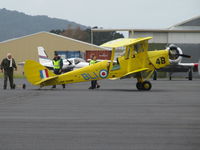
[
  {"x": 130, "y": 73},
  {"x": 135, "y": 71}
]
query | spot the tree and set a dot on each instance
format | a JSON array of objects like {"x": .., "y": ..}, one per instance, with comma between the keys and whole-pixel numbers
[
  {"x": 58, "y": 31},
  {"x": 85, "y": 35}
]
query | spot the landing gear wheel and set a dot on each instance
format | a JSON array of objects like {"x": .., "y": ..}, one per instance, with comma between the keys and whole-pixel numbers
[
  {"x": 146, "y": 85},
  {"x": 139, "y": 86}
]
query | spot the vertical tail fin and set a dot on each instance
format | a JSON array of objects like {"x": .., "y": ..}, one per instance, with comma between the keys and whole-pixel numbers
[
  {"x": 35, "y": 72},
  {"x": 43, "y": 58}
]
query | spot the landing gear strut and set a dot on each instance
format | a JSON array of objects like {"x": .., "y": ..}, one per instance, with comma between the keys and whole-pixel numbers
[
  {"x": 155, "y": 75},
  {"x": 145, "y": 86},
  {"x": 170, "y": 76}
]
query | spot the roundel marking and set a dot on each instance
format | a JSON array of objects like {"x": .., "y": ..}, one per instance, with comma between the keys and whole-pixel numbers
[{"x": 103, "y": 73}]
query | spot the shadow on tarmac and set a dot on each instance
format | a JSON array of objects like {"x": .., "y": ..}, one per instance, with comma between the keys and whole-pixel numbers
[{"x": 99, "y": 90}]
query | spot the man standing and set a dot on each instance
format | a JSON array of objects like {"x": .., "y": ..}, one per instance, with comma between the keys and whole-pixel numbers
[
  {"x": 94, "y": 83},
  {"x": 57, "y": 66},
  {"x": 7, "y": 66}
]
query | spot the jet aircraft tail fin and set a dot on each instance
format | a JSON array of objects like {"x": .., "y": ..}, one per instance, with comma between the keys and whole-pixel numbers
[{"x": 43, "y": 58}]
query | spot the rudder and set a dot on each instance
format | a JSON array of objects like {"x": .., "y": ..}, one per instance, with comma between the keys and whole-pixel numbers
[{"x": 35, "y": 72}]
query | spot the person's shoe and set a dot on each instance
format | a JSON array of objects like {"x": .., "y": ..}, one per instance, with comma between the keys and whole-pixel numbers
[
  {"x": 13, "y": 87},
  {"x": 98, "y": 86},
  {"x": 91, "y": 88}
]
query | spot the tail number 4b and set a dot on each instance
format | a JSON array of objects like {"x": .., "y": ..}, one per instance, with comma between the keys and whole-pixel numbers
[{"x": 160, "y": 60}]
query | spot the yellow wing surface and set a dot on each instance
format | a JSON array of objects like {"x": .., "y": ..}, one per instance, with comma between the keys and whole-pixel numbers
[{"x": 122, "y": 42}]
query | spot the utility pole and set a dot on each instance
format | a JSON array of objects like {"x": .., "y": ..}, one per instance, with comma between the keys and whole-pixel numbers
[{"x": 91, "y": 36}]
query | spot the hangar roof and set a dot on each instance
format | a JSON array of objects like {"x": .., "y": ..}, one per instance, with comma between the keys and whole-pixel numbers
[
  {"x": 190, "y": 25},
  {"x": 55, "y": 35},
  {"x": 150, "y": 30},
  {"x": 195, "y": 21}
]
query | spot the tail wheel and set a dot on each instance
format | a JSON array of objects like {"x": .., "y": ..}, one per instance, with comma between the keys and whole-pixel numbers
[
  {"x": 146, "y": 85},
  {"x": 139, "y": 86}
]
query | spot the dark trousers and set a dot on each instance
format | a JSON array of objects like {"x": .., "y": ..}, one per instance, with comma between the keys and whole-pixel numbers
[
  {"x": 8, "y": 74},
  {"x": 57, "y": 72},
  {"x": 93, "y": 84}
]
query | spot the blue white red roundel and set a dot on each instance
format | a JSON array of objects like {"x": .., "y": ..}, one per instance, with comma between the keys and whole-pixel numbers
[{"x": 103, "y": 73}]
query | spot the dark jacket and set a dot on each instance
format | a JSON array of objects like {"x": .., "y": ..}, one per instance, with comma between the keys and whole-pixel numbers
[{"x": 5, "y": 64}]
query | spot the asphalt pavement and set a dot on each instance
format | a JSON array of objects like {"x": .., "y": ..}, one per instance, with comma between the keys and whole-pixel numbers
[{"x": 114, "y": 117}]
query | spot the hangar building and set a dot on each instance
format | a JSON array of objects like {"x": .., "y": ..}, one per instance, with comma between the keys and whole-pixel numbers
[
  {"x": 185, "y": 34},
  {"x": 25, "y": 47}
]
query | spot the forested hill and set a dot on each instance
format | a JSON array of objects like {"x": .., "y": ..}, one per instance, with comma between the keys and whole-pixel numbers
[{"x": 15, "y": 24}]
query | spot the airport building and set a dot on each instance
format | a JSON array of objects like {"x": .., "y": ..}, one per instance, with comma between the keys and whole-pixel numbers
[
  {"x": 25, "y": 47},
  {"x": 186, "y": 35}
]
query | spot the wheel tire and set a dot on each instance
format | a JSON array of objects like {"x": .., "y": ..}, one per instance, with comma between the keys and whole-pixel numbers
[
  {"x": 139, "y": 86},
  {"x": 146, "y": 85}
]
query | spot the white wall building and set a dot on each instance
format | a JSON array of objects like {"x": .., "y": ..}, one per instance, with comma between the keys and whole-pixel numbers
[{"x": 185, "y": 34}]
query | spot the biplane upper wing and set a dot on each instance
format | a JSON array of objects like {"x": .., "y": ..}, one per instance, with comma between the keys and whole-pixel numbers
[{"x": 123, "y": 42}]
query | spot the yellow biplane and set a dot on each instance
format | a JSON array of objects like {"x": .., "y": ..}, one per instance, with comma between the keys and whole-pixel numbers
[{"x": 136, "y": 62}]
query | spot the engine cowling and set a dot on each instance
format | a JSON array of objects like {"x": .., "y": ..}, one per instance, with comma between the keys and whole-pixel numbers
[{"x": 175, "y": 53}]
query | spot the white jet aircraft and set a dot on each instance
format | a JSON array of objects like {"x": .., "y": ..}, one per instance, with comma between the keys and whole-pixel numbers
[{"x": 68, "y": 64}]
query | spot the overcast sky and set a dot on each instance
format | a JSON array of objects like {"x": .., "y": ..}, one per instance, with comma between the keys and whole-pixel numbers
[{"x": 111, "y": 13}]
